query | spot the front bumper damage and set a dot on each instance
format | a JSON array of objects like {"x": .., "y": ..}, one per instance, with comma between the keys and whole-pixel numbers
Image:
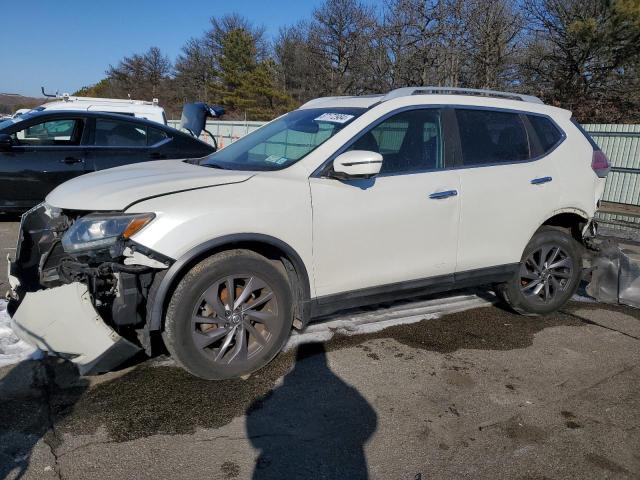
[
  {"x": 62, "y": 320},
  {"x": 90, "y": 309}
]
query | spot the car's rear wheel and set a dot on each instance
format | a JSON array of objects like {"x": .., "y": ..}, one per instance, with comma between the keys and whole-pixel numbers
[
  {"x": 549, "y": 273},
  {"x": 229, "y": 316}
]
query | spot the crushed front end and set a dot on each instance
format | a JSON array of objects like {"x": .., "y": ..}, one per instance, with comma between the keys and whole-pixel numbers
[{"x": 80, "y": 285}]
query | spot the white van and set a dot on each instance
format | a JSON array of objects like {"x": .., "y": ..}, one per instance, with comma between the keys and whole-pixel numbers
[{"x": 135, "y": 108}]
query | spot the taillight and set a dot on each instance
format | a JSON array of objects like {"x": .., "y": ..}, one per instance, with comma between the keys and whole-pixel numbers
[{"x": 600, "y": 163}]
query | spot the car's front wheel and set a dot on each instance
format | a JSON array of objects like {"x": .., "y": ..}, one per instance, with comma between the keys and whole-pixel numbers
[
  {"x": 549, "y": 273},
  {"x": 229, "y": 316}
]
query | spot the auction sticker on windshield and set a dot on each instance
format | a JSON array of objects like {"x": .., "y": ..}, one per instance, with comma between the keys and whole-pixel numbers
[{"x": 334, "y": 118}]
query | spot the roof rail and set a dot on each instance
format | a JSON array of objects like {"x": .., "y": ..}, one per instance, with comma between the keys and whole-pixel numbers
[{"x": 407, "y": 91}]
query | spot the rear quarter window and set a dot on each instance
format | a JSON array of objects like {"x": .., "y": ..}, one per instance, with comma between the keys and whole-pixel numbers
[{"x": 548, "y": 134}]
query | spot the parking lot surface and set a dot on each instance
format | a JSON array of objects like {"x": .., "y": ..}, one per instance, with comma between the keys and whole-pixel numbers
[{"x": 481, "y": 393}]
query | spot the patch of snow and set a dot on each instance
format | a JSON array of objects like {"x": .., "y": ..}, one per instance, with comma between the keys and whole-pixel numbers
[
  {"x": 583, "y": 298},
  {"x": 12, "y": 349},
  {"x": 363, "y": 321}
]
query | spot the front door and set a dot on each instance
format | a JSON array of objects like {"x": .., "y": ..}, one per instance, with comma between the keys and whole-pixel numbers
[
  {"x": 399, "y": 227},
  {"x": 44, "y": 155}
]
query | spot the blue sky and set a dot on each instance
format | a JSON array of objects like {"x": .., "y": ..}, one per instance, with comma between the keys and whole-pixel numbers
[{"x": 68, "y": 44}]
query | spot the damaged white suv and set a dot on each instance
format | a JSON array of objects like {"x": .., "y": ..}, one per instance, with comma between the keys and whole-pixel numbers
[{"x": 343, "y": 202}]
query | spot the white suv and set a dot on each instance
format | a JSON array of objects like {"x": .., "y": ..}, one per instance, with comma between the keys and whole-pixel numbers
[{"x": 343, "y": 202}]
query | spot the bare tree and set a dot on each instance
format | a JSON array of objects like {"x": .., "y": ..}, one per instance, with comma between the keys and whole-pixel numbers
[
  {"x": 141, "y": 75},
  {"x": 493, "y": 40},
  {"x": 195, "y": 72},
  {"x": 411, "y": 30},
  {"x": 340, "y": 35},
  {"x": 297, "y": 74},
  {"x": 583, "y": 55}
]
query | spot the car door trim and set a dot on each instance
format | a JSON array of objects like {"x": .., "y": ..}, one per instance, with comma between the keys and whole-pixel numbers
[{"x": 327, "y": 304}]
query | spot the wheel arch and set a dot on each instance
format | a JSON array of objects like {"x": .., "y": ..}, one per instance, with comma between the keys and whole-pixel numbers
[
  {"x": 265, "y": 245},
  {"x": 571, "y": 219}
]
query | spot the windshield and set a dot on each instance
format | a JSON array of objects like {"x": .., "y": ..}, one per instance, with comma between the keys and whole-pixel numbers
[
  {"x": 11, "y": 121},
  {"x": 284, "y": 141}
]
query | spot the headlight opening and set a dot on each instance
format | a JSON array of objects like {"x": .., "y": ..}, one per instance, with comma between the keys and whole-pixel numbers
[{"x": 97, "y": 231}]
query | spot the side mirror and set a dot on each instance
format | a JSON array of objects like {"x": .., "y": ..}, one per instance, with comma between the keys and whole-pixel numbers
[
  {"x": 5, "y": 142},
  {"x": 357, "y": 164}
]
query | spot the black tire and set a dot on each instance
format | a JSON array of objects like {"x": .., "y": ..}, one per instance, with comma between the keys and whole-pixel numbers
[
  {"x": 193, "y": 320},
  {"x": 563, "y": 281}
]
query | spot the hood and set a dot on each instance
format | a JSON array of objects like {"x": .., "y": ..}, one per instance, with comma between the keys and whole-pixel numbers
[{"x": 117, "y": 188}]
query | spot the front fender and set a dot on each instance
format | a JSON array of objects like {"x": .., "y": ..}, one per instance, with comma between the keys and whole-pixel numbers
[{"x": 159, "y": 297}]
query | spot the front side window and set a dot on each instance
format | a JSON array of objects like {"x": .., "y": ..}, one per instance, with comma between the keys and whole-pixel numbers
[
  {"x": 50, "y": 133},
  {"x": 115, "y": 133},
  {"x": 284, "y": 141},
  {"x": 489, "y": 137},
  {"x": 409, "y": 142}
]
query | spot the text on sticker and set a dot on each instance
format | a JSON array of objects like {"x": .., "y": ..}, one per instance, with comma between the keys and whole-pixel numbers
[{"x": 334, "y": 117}]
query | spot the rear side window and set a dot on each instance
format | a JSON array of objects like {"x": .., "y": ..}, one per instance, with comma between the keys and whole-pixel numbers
[
  {"x": 114, "y": 133},
  {"x": 548, "y": 134},
  {"x": 593, "y": 143},
  {"x": 155, "y": 136},
  {"x": 490, "y": 137}
]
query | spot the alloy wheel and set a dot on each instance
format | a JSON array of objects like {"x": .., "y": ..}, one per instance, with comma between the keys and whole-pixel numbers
[
  {"x": 545, "y": 273},
  {"x": 235, "y": 319}
]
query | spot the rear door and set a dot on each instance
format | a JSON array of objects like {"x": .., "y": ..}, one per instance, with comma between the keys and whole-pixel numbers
[
  {"x": 507, "y": 187},
  {"x": 116, "y": 142},
  {"x": 45, "y": 153}
]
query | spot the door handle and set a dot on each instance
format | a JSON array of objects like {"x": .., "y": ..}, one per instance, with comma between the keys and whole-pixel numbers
[
  {"x": 71, "y": 160},
  {"x": 541, "y": 180},
  {"x": 157, "y": 156},
  {"x": 445, "y": 194}
]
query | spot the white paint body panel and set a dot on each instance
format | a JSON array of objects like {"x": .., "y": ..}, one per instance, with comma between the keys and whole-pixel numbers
[
  {"x": 268, "y": 204},
  {"x": 500, "y": 211},
  {"x": 386, "y": 230},
  {"x": 116, "y": 188}
]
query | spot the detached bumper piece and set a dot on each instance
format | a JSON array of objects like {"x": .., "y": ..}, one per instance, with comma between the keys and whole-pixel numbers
[
  {"x": 63, "y": 321},
  {"x": 616, "y": 277}
]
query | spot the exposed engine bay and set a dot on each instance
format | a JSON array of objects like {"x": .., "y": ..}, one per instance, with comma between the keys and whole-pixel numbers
[{"x": 118, "y": 277}]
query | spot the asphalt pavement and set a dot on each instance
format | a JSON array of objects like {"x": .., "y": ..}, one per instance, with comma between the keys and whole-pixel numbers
[{"x": 479, "y": 393}]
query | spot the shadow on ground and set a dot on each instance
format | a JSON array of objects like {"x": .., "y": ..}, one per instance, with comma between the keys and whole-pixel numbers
[
  {"x": 312, "y": 426},
  {"x": 34, "y": 398},
  {"x": 309, "y": 407},
  {"x": 150, "y": 400}
]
